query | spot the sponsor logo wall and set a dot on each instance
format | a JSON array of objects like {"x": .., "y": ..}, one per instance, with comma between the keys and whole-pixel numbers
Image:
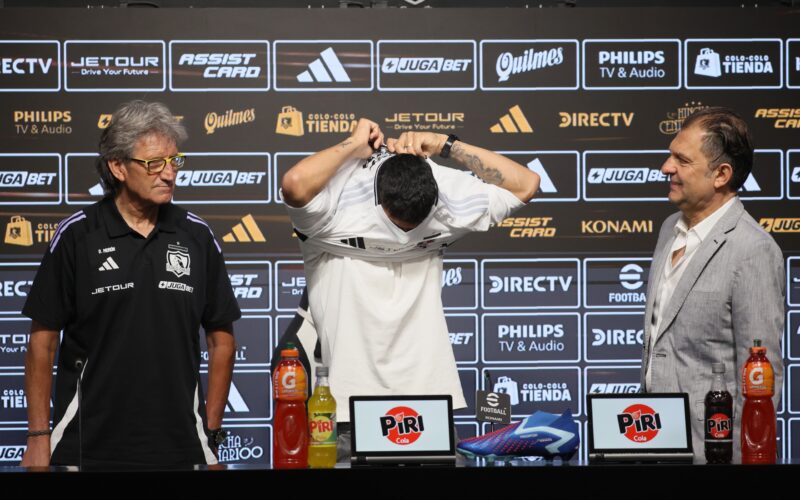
[{"x": 547, "y": 306}]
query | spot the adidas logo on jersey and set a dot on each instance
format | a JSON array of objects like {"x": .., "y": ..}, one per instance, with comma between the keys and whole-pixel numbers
[
  {"x": 245, "y": 232},
  {"x": 512, "y": 123},
  {"x": 327, "y": 68},
  {"x": 108, "y": 265}
]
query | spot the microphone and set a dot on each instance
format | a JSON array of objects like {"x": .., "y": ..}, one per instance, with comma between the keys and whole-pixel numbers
[{"x": 80, "y": 364}]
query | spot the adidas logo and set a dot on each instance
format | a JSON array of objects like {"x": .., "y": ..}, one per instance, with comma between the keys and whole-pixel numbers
[
  {"x": 108, "y": 265},
  {"x": 512, "y": 123},
  {"x": 326, "y": 69},
  {"x": 751, "y": 184},
  {"x": 96, "y": 190},
  {"x": 245, "y": 232},
  {"x": 545, "y": 182},
  {"x": 236, "y": 403}
]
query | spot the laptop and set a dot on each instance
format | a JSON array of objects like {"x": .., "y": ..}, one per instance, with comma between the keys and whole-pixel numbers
[
  {"x": 639, "y": 428},
  {"x": 402, "y": 430}
]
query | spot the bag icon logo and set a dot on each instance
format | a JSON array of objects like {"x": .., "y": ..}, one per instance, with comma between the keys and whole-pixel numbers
[
  {"x": 708, "y": 64},
  {"x": 18, "y": 232},
  {"x": 290, "y": 122}
]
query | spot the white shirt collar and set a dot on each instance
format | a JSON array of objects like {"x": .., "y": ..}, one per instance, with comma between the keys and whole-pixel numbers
[{"x": 704, "y": 227}]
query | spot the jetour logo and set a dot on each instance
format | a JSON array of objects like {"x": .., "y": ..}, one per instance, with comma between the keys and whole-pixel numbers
[
  {"x": 402, "y": 425},
  {"x": 639, "y": 423}
]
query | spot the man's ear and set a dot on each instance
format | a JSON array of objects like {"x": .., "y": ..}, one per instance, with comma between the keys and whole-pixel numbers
[
  {"x": 722, "y": 175},
  {"x": 117, "y": 169}
]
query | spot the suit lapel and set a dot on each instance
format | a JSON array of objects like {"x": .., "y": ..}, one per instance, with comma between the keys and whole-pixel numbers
[
  {"x": 708, "y": 248},
  {"x": 656, "y": 274}
]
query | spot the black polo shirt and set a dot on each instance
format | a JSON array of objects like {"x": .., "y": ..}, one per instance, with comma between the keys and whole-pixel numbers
[{"x": 131, "y": 308}]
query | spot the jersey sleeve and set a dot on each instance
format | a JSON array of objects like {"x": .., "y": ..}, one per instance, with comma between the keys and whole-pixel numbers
[
  {"x": 51, "y": 299},
  {"x": 470, "y": 202},
  {"x": 318, "y": 213}
]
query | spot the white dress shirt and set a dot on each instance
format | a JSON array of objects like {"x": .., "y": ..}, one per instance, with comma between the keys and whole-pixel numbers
[{"x": 684, "y": 237}]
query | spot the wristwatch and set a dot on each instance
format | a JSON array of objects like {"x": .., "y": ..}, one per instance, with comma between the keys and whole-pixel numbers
[
  {"x": 217, "y": 436},
  {"x": 445, "y": 153}
]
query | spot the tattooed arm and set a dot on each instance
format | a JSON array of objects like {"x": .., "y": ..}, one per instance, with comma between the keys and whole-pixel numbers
[
  {"x": 491, "y": 167},
  {"x": 306, "y": 179}
]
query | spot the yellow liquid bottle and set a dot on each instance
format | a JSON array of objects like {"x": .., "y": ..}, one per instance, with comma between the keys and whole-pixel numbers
[{"x": 322, "y": 424}]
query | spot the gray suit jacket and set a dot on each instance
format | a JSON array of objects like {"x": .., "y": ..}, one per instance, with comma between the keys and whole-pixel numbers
[{"x": 731, "y": 293}]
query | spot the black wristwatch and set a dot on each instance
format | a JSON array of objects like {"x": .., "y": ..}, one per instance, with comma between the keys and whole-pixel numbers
[
  {"x": 217, "y": 436},
  {"x": 448, "y": 145}
]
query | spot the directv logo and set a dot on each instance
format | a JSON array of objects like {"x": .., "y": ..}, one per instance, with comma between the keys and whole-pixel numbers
[
  {"x": 625, "y": 175},
  {"x": 614, "y": 388},
  {"x": 529, "y": 284},
  {"x": 326, "y": 69}
]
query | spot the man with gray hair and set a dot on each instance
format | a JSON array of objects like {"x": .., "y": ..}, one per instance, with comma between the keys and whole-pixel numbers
[{"x": 130, "y": 280}]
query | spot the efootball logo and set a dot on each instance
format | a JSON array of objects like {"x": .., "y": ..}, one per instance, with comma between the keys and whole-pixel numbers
[
  {"x": 639, "y": 423},
  {"x": 402, "y": 425}
]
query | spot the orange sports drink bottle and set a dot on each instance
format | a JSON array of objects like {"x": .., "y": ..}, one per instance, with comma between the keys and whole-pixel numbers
[
  {"x": 758, "y": 415},
  {"x": 322, "y": 424},
  {"x": 289, "y": 382}
]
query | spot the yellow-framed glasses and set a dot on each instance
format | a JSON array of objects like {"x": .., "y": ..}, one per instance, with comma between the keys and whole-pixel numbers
[{"x": 156, "y": 165}]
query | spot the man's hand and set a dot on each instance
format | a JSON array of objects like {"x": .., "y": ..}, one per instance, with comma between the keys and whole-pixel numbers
[
  {"x": 365, "y": 139},
  {"x": 37, "y": 453},
  {"x": 425, "y": 144}
]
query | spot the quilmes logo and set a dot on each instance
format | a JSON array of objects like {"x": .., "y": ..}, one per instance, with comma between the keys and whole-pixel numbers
[
  {"x": 641, "y": 175},
  {"x": 617, "y": 226},
  {"x": 327, "y": 68},
  {"x": 229, "y": 118},
  {"x": 674, "y": 121},
  {"x": 452, "y": 277},
  {"x": 42, "y": 122},
  {"x": 639, "y": 423},
  {"x": 529, "y": 284},
  {"x": 246, "y": 231},
  {"x": 425, "y": 120},
  {"x": 609, "y": 388},
  {"x": 595, "y": 120},
  {"x": 529, "y": 60},
  {"x": 783, "y": 117},
  {"x": 780, "y": 224},
  {"x": 512, "y": 123},
  {"x": 529, "y": 227},
  {"x": 402, "y": 425}
]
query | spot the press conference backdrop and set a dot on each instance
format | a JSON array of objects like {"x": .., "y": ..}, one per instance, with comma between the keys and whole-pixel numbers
[{"x": 550, "y": 302}]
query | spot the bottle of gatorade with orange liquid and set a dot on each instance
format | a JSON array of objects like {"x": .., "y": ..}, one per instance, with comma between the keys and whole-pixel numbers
[
  {"x": 758, "y": 415},
  {"x": 289, "y": 382}
]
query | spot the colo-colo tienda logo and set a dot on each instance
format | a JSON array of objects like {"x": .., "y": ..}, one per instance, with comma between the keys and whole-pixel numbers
[
  {"x": 639, "y": 423},
  {"x": 402, "y": 425}
]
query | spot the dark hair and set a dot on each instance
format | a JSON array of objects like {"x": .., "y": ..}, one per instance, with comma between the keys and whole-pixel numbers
[
  {"x": 726, "y": 140},
  {"x": 406, "y": 188},
  {"x": 132, "y": 121}
]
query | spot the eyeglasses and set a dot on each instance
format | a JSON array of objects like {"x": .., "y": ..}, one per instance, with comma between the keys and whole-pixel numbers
[{"x": 156, "y": 165}]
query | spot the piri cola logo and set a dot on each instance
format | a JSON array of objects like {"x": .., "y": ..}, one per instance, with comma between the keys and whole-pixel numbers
[
  {"x": 402, "y": 425},
  {"x": 718, "y": 426},
  {"x": 639, "y": 423}
]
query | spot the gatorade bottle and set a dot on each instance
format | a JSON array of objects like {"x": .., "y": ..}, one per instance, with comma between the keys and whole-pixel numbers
[
  {"x": 758, "y": 415},
  {"x": 322, "y": 424},
  {"x": 290, "y": 446},
  {"x": 719, "y": 419}
]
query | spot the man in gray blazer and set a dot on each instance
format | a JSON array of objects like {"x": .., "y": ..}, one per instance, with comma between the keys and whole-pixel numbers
[{"x": 717, "y": 279}]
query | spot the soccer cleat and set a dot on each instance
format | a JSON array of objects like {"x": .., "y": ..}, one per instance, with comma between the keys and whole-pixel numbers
[{"x": 541, "y": 434}]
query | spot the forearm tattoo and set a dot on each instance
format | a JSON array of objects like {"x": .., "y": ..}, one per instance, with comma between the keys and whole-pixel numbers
[
  {"x": 346, "y": 143},
  {"x": 488, "y": 174}
]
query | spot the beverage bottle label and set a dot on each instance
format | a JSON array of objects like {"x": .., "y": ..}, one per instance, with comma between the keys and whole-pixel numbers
[
  {"x": 322, "y": 427},
  {"x": 758, "y": 379}
]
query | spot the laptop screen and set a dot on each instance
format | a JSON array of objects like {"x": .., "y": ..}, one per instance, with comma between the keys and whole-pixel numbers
[
  {"x": 401, "y": 425},
  {"x": 643, "y": 423}
]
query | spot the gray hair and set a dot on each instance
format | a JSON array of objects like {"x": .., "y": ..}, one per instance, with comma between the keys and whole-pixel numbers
[{"x": 132, "y": 121}]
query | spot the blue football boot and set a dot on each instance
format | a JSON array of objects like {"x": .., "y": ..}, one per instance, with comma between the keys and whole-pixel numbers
[{"x": 541, "y": 434}]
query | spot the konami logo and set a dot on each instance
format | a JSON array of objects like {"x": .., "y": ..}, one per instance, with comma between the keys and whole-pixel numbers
[
  {"x": 639, "y": 423},
  {"x": 402, "y": 425}
]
